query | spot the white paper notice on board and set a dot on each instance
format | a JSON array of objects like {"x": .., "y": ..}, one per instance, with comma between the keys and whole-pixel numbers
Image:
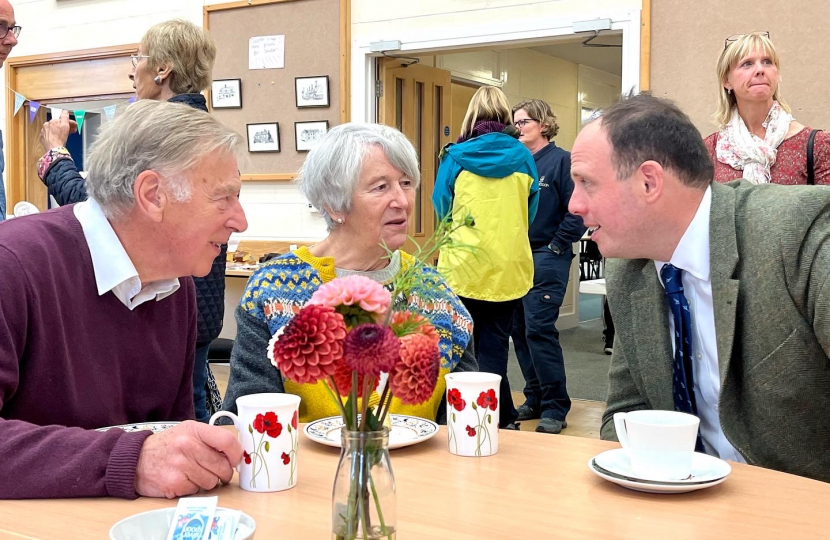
[{"x": 266, "y": 52}]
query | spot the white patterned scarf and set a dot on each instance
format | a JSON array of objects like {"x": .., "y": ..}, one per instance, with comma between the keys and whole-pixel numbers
[{"x": 745, "y": 151}]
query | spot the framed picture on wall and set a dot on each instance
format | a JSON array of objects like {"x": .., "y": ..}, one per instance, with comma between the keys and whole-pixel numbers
[
  {"x": 226, "y": 94},
  {"x": 307, "y": 134},
  {"x": 312, "y": 91},
  {"x": 264, "y": 137}
]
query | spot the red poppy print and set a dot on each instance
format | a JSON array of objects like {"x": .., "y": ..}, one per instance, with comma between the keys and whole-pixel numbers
[
  {"x": 471, "y": 431},
  {"x": 268, "y": 423},
  {"x": 286, "y": 459},
  {"x": 295, "y": 419},
  {"x": 488, "y": 399},
  {"x": 247, "y": 457},
  {"x": 455, "y": 401}
]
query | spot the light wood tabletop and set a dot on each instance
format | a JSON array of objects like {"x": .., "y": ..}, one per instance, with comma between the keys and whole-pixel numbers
[{"x": 538, "y": 486}]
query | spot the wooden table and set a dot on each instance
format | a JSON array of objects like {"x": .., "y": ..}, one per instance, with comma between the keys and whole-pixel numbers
[{"x": 537, "y": 487}]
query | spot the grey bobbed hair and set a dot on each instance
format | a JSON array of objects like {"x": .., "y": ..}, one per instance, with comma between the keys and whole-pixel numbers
[{"x": 332, "y": 168}]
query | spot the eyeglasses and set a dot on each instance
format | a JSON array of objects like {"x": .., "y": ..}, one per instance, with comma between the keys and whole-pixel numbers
[
  {"x": 136, "y": 58},
  {"x": 736, "y": 37},
  {"x": 523, "y": 122},
  {"x": 5, "y": 29}
]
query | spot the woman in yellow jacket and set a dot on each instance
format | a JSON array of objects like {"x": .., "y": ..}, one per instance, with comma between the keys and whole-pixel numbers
[{"x": 489, "y": 175}]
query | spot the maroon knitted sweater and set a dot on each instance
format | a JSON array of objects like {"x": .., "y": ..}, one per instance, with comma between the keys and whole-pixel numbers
[{"x": 72, "y": 361}]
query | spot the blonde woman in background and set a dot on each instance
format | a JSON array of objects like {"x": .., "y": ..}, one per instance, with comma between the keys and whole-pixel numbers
[
  {"x": 758, "y": 138},
  {"x": 491, "y": 176}
]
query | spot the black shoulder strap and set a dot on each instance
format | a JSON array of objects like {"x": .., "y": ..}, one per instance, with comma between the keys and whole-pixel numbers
[{"x": 811, "y": 173}]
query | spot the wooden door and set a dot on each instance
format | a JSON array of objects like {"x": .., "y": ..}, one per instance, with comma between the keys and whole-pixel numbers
[{"x": 417, "y": 100}]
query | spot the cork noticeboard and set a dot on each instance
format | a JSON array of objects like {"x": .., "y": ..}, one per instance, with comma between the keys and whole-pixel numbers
[
  {"x": 315, "y": 45},
  {"x": 688, "y": 37}
]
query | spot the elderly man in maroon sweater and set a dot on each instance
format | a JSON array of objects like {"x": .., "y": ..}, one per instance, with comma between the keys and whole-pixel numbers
[{"x": 97, "y": 326}]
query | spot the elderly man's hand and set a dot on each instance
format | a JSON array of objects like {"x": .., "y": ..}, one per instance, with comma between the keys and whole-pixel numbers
[
  {"x": 182, "y": 459},
  {"x": 57, "y": 130}
]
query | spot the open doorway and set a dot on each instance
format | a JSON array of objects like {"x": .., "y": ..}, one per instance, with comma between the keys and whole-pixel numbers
[{"x": 575, "y": 80}]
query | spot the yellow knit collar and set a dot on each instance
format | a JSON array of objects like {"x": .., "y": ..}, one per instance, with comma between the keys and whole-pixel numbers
[{"x": 325, "y": 265}]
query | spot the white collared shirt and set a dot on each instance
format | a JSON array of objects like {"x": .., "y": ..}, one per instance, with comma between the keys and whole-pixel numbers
[
  {"x": 114, "y": 271},
  {"x": 692, "y": 256}
]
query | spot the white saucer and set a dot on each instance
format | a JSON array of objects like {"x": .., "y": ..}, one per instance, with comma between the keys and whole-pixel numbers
[
  {"x": 406, "y": 430},
  {"x": 155, "y": 427},
  {"x": 614, "y": 466}
]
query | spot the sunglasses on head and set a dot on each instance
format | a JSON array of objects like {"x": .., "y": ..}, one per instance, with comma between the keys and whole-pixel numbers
[{"x": 736, "y": 37}]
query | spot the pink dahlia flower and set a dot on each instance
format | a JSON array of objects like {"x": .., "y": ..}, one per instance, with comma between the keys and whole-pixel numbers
[
  {"x": 308, "y": 346},
  {"x": 370, "y": 349},
  {"x": 353, "y": 290},
  {"x": 413, "y": 379}
]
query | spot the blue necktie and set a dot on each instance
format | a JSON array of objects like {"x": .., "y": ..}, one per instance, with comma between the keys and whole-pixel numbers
[{"x": 683, "y": 387}]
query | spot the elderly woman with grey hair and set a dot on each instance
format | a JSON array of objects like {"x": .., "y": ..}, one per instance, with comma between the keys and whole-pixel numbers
[{"x": 362, "y": 178}]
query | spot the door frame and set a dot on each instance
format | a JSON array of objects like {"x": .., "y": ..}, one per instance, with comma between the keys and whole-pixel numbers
[{"x": 529, "y": 32}]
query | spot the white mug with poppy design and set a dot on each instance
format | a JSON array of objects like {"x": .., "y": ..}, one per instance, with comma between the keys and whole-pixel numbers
[
  {"x": 269, "y": 432},
  {"x": 473, "y": 413}
]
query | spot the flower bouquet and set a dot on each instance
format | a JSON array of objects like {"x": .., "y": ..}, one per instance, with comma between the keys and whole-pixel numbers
[{"x": 354, "y": 338}]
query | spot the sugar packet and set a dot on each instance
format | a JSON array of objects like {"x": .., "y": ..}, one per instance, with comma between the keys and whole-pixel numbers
[
  {"x": 193, "y": 518},
  {"x": 225, "y": 522}
]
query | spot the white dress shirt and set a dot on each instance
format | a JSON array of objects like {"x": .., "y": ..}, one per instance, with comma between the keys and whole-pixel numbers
[
  {"x": 114, "y": 271},
  {"x": 692, "y": 256}
]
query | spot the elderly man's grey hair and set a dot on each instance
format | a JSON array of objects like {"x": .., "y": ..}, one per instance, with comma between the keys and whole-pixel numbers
[
  {"x": 332, "y": 168},
  {"x": 169, "y": 138}
]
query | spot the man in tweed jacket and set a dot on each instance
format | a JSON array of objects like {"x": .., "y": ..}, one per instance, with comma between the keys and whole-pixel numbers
[{"x": 755, "y": 262}]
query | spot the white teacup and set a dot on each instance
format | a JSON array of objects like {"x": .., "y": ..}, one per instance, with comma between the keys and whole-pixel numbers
[
  {"x": 473, "y": 413},
  {"x": 660, "y": 444},
  {"x": 268, "y": 430}
]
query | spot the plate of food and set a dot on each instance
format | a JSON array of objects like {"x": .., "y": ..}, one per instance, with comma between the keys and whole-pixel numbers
[
  {"x": 404, "y": 431},
  {"x": 155, "y": 427}
]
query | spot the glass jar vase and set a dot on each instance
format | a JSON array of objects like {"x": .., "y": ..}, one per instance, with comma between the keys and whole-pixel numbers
[{"x": 363, "y": 499}]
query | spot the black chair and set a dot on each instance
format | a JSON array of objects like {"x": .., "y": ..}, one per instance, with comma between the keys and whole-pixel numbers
[
  {"x": 220, "y": 350},
  {"x": 590, "y": 261}
]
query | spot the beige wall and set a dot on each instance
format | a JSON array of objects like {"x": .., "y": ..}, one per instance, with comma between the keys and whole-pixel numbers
[
  {"x": 597, "y": 89},
  {"x": 527, "y": 74},
  {"x": 533, "y": 75}
]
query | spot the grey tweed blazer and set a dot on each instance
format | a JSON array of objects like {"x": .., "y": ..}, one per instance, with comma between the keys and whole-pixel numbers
[{"x": 770, "y": 273}]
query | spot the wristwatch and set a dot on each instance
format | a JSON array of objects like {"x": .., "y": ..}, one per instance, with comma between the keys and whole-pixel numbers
[{"x": 556, "y": 249}]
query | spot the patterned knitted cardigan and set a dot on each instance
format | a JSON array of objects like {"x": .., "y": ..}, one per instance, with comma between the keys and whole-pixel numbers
[{"x": 277, "y": 291}]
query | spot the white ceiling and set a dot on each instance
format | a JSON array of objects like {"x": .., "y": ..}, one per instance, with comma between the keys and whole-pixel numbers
[{"x": 604, "y": 58}]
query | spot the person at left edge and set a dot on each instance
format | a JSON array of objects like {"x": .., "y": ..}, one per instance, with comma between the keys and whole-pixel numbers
[
  {"x": 174, "y": 63},
  {"x": 9, "y": 30}
]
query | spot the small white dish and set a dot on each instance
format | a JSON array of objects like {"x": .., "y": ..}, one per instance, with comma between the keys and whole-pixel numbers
[
  {"x": 406, "y": 430},
  {"x": 614, "y": 466},
  {"x": 24, "y": 208},
  {"x": 155, "y": 524},
  {"x": 155, "y": 427}
]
